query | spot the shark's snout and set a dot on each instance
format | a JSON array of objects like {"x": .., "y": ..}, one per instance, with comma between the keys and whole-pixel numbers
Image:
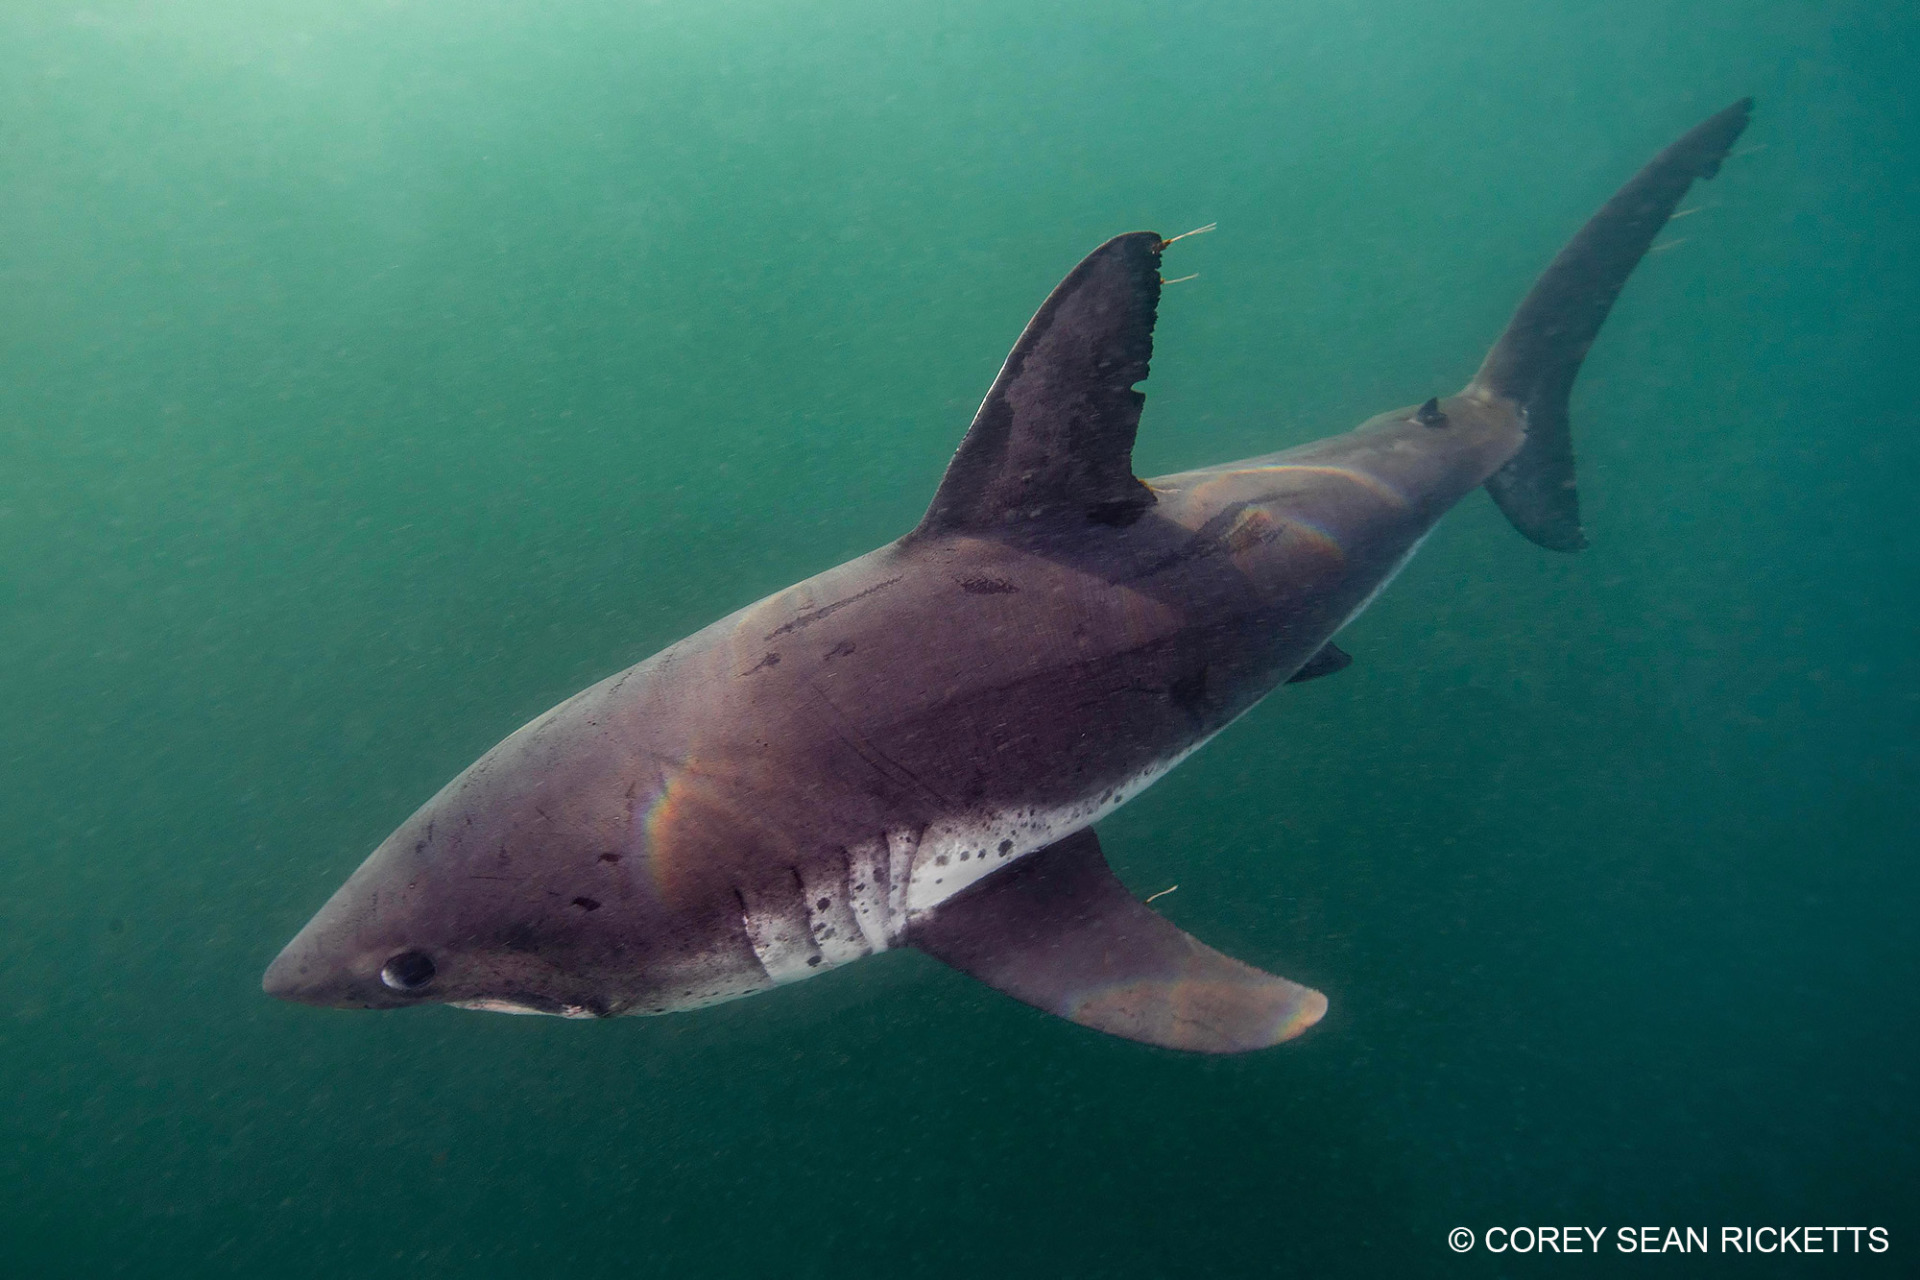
[
  {"x": 332, "y": 964},
  {"x": 304, "y": 974},
  {"x": 292, "y": 975},
  {"x": 407, "y": 930},
  {"x": 281, "y": 980},
  {"x": 301, "y": 973}
]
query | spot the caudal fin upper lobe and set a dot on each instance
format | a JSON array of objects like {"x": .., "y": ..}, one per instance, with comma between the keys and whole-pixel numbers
[{"x": 1537, "y": 358}]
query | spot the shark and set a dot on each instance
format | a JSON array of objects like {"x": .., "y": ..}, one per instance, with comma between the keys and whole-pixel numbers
[{"x": 913, "y": 749}]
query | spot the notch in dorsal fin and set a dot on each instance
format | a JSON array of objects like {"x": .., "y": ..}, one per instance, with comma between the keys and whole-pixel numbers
[
  {"x": 1059, "y": 931},
  {"x": 1054, "y": 438}
]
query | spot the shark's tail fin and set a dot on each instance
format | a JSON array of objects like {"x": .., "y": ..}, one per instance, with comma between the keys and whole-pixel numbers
[{"x": 1535, "y": 362}]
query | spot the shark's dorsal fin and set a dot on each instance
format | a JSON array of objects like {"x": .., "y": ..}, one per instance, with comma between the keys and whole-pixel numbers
[
  {"x": 1054, "y": 438},
  {"x": 1059, "y": 931}
]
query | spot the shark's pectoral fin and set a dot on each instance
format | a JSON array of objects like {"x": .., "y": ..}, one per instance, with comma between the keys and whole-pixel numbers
[
  {"x": 1053, "y": 440},
  {"x": 1059, "y": 931},
  {"x": 1329, "y": 659}
]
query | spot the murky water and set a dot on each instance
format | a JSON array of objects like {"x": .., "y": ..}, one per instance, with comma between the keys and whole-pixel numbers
[{"x": 373, "y": 375}]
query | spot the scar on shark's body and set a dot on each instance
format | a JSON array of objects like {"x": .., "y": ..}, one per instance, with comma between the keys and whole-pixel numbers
[{"x": 1053, "y": 637}]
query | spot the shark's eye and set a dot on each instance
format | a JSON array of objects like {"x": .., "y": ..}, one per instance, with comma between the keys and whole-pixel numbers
[{"x": 408, "y": 971}]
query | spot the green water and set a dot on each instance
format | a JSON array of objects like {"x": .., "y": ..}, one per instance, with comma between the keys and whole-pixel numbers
[{"x": 375, "y": 374}]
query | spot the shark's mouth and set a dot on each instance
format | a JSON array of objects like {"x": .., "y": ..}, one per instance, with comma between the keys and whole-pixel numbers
[{"x": 526, "y": 1004}]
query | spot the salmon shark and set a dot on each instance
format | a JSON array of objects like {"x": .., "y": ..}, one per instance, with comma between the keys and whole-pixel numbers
[{"x": 912, "y": 749}]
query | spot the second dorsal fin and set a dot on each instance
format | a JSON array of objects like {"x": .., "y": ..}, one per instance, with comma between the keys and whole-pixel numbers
[
  {"x": 1054, "y": 438},
  {"x": 1328, "y": 660}
]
